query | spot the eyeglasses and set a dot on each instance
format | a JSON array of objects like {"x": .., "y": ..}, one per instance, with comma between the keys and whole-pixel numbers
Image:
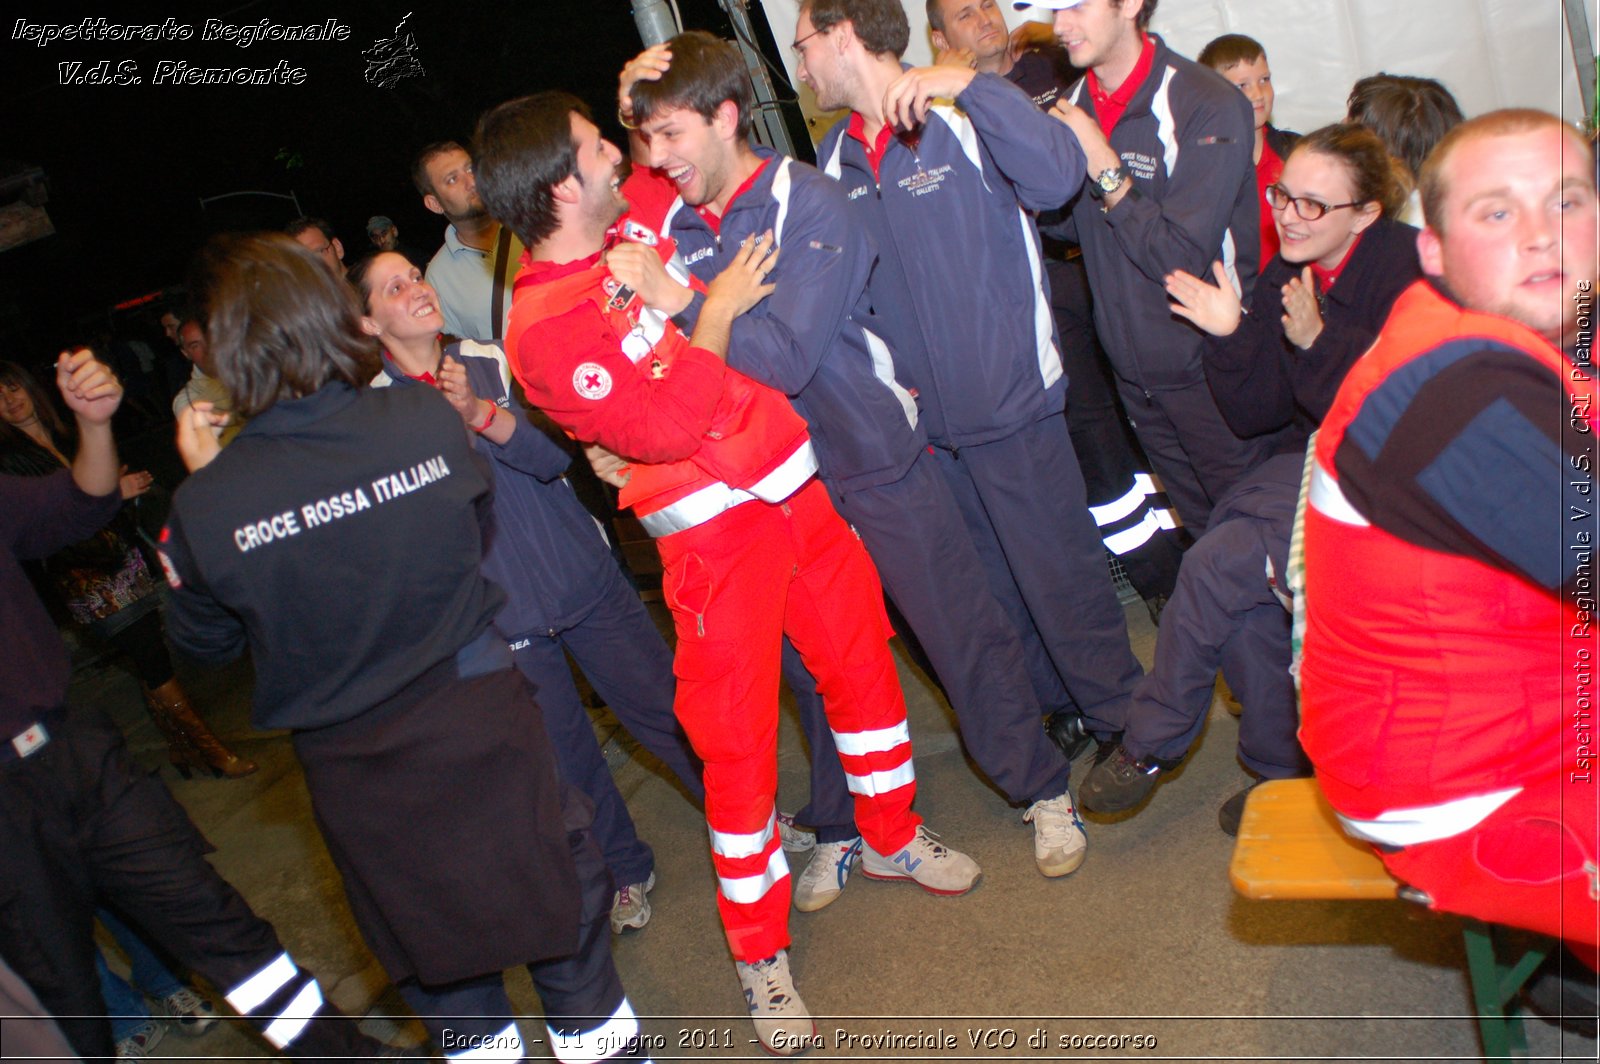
[
  {"x": 1308, "y": 209},
  {"x": 800, "y": 53}
]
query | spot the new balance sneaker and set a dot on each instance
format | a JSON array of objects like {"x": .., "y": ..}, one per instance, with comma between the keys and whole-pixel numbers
[
  {"x": 1119, "y": 782},
  {"x": 1058, "y": 840},
  {"x": 926, "y": 861},
  {"x": 780, "y": 1017},
  {"x": 794, "y": 838},
  {"x": 827, "y": 873},
  {"x": 630, "y": 906},
  {"x": 190, "y": 1013},
  {"x": 140, "y": 1042}
]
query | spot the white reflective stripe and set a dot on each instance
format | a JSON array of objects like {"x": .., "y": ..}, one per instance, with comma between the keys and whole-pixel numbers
[
  {"x": 696, "y": 508},
  {"x": 1044, "y": 322},
  {"x": 789, "y": 477},
  {"x": 747, "y": 890},
  {"x": 672, "y": 212},
  {"x": 1133, "y": 538},
  {"x": 1169, "y": 519},
  {"x": 250, "y": 994},
  {"x": 735, "y": 844},
  {"x": 1109, "y": 513},
  {"x": 875, "y": 783},
  {"x": 287, "y": 1027},
  {"x": 832, "y": 167},
  {"x": 1428, "y": 823},
  {"x": 883, "y": 369},
  {"x": 782, "y": 181},
  {"x": 877, "y": 741},
  {"x": 1166, "y": 127},
  {"x": 502, "y": 1045},
  {"x": 1230, "y": 262},
  {"x": 966, "y": 135},
  {"x": 1327, "y": 498},
  {"x": 605, "y": 1041}
]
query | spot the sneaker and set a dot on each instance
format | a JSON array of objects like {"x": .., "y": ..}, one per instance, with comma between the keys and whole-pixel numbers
[
  {"x": 1058, "y": 840},
  {"x": 780, "y": 1017},
  {"x": 926, "y": 861},
  {"x": 139, "y": 1044},
  {"x": 630, "y": 906},
  {"x": 190, "y": 1013},
  {"x": 795, "y": 839},
  {"x": 1232, "y": 811},
  {"x": 827, "y": 873},
  {"x": 1119, "y": 782}
]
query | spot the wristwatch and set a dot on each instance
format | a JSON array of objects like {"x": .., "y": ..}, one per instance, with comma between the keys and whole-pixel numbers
[{"x": 1107, "y": 181}]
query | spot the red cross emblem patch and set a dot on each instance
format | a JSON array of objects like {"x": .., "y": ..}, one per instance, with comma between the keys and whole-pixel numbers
[{"x": 592, "y": 381}]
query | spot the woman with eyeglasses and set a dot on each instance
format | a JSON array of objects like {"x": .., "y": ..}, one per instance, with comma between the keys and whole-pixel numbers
[{"x": 1342, "y": 262}]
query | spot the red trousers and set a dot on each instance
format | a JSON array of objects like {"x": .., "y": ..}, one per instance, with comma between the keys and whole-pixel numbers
[
  {"x": 1534, "y": 863},
  {"x": 736, "y": 585}
]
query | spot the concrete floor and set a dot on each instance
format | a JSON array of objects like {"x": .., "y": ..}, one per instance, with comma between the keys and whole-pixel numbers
[{"x": 1146, "y": 939}]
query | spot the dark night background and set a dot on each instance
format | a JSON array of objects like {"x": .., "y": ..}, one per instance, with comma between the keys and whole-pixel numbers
[{"x": 128, "y": 165}]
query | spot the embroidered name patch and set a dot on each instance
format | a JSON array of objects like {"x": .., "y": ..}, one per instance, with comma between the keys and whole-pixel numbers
[{"x": 592, "y": 381}]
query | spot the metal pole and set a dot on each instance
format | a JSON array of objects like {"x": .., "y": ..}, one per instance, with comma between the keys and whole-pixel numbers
[
  {"x": 768, "y": 125},
  {"x": 1578, "y": 32}
]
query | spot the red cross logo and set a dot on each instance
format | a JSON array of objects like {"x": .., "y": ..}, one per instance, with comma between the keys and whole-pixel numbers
[{"x": 592, "y": 381}]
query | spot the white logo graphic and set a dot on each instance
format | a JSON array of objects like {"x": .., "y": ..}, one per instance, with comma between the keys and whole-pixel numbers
[{"x": 592, "y": 381}]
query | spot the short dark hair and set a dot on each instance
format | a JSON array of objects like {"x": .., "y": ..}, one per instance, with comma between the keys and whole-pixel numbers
[
  {"x": 935, "y": 15},
  {"x": 1372, "y": 169},
  {"x": 1230, "y": 50},
  {"x": 419, "y": 165},
  {"x": 881, "y": 25},
  {"x": 307, "y": 222},
  {"x": 1408, "y": 114},
  {"x": 278, "y": 323},
  {"x": 1142, "y": 19},
  {"x": 705, "y": 72},
  {"x": 523, "y": 149}
]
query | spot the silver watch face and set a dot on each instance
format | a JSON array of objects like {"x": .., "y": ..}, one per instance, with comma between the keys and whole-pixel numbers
[{"x": 1110, "y": 180}]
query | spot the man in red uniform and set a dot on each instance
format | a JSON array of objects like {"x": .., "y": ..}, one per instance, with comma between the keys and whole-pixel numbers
[
  {"x": 721, "y": 470},
  {"x": 1449, "y": 649}
]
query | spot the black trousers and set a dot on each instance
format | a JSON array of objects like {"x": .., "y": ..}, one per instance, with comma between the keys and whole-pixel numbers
[{"x": 81, "y": 826}]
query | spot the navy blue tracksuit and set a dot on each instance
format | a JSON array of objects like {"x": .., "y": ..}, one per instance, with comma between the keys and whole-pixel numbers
[
  {"x": 564, "y": 594},
  {"x": 961, "y": 288},
  {"x": 814, "y": 340}
]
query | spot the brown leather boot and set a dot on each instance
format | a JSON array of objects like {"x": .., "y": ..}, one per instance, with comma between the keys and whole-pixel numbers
[
  {"x": 202, "y": 749},
  {"x": 180, "y": 751}
]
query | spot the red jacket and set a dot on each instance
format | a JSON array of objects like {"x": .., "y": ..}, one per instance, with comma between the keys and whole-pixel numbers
[
  {"x": 1427, "y": 676},
  {"x": 610, "y": 371}
]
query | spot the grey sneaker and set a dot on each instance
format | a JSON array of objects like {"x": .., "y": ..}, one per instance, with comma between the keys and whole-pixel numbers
[
  {"x": 141, "y": 1042},
  {"x": 795, "y": 839},
  {"x": 1058, "y": 840},
  {"x": 827, "y": 873},
  {"x": 780, "y": 1017},
  {"x": 926, "y": 861},
  {"x": 1120, "y": 782},
  {"x": 190, "y": 1013},
  {"x": 630, "y": 906}
]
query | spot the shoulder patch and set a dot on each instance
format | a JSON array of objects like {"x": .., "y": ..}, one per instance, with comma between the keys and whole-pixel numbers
[{"x": 592, "y": 381}]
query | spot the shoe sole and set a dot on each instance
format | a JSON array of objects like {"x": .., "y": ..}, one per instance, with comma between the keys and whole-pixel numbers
[
  {"x": 931, "y": 890},
  {"x": 818, "y": 901},
  {"x": 1073, "y": 862},
  {"x": 1095, "y": 803}
]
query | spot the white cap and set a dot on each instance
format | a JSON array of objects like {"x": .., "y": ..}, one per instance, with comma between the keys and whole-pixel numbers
[{"x": 1053, "y": 5}]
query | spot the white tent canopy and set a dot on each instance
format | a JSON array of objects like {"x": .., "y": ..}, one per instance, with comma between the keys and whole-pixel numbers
[{"x": 1489, "y": 53}]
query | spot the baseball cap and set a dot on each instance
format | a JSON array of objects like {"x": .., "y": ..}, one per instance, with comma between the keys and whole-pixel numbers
[
  {"x": 378, "y": 223},
  {"x": 1053, "y": 5}
]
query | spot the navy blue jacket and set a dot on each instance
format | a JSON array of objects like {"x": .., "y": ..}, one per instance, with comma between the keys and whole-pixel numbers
[
  {"x": 542, "y": 547},
  {"x": 814, "y": 338},
  {"x": 1187, "y": 138},
  {"x": 959, "y": 286}
]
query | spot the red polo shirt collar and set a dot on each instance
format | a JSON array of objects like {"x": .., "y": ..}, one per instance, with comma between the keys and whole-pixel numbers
[
  {"x": 858, "y": 129},
  {"x": 1326, "y": 278},
  {"x": 713, "y": 219},
  {"x": 1109, "y": 107}
]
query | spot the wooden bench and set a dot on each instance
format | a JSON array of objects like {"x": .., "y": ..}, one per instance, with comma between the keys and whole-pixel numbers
[{"x": 1291, "y": 845}]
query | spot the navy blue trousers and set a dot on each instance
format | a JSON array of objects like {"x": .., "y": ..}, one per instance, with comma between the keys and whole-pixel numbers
[
  {"x": 624, "y": 657},
  {"x": 1190, "y": 447},
  {"x": 1224, "y": 614}
]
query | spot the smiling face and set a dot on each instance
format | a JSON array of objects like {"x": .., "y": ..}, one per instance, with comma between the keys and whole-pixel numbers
[
  {"x": 820, "y": 65},
  {"x": 1325, "y": 241},
  {"x": 1097, "y": 34},
  {"x": 1515, "y": 232},
  {"x": 598, "y": 176},
  {"x": 694, "y": 152},
  {"x": 16, "y": 406},
  {"x": 976, "y": 25},
  {"x": 400, "y": 305},
  {"x": 1254, "y": 79}
]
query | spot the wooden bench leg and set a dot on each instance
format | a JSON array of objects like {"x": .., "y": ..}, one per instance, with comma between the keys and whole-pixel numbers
[{"x": 1495, "y": 984}]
